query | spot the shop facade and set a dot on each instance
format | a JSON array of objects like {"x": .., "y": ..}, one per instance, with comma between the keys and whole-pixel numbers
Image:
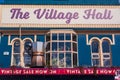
[{"x": 72, "y": 36}]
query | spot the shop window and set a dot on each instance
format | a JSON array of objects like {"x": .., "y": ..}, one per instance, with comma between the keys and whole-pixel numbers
[
  {"x": 106, "y": 46},
  {"x": 95, "y": 46},
  {"x": 106, "y": 62},
  {"x": 54, "y": 59},
  {"x": 74, "y": 47},
  {"x": 54, "y": 46},
  {"x": 101, "y": 53},
  {"x": 17, "y": 46},
  {"x": 74, "y": 59},
  {"x": 106, "y": 53},
  {"x": 47, "y": 59},
  {"x": 96, "y": 62},
  {"x": 68, "y": 60},
  {"x": 68, "y": 36},
  {"x": 54, "y": 36},
  {"x": 74, "y": 37},
  {"x": 68, "y": 46},
  {"x": 62, "y": 47},
  {"x": 61, "y": 59},
  {"x": 95, "y": 53},
  {"x": 61, "y": 36},
  {"x": 48, "y": 37},
  {"x": 47, "y": 47},
  {"x": 27, "y": 53},
  {"x": 16, "y": 53}
]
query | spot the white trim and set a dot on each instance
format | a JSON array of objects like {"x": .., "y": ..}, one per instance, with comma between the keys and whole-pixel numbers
[
  {"x": 27, "y": 39},
  {"x": 14, "y": 40},
  {"x": 87, "y": 41},
  {"x": 12, "y": 43},
  {"x": 101, "y": 54},
  {"x": 23, "y": 50},
  {"x": 91, "y": 40},
  {"x": 22, "y": 64},
  {"x": 94, "y": 38},
  {"x": 106, "y": 38},
  {"x": 67, "y": 31},
  {"x": 113, "y": 38},
  {"x": 9, "y": 37},
  {"x": 35, "y": 38}
]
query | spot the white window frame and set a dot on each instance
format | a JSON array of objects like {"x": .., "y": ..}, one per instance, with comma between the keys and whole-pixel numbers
[{"x": 100, "y": 53}]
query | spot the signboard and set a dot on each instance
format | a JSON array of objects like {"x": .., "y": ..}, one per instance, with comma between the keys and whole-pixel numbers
[
  {"x": 58, "y": 71},
  {"x": 67, "y": 15}
]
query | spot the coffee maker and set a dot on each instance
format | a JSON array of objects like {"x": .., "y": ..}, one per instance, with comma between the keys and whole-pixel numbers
[{"x": 37, "y": 56}]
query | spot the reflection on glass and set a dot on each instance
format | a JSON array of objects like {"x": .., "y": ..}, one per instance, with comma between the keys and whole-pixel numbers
[
  {"x": 27, "y": 60},
  {"x": 61, "y": 36},
  {"x": 74, "y": 59},
  {"x": 68, "y": 36},
  {"x": 96, "y": 62},
  {"x": 61, "y": 46},
  {"x": 54, "y": 59},
  {"x": 17, "y": 46},
  {"x": 27, "y": 53},
  {"x": 54, "y": 46},
  {"x": 74, "y": 37},
  {"x": 47, "y": 59},
  {"x": 61, "y": 59},
  {"x": 68, "y": 46},
  {"x": 17, "y": 59},
  {"x": 95, "y": 46},
  {"x": 68, "y": 60},
  {"x": 106, "y": 46},
  {"x": 74, "y": 47},
  {"x": 54, "y": 36},
  {"x": 47, "y": 47},
  {"x": 28, "y": 47},
  {"x": 48, "y": 37},
  {"x": 106, "y": 62}
]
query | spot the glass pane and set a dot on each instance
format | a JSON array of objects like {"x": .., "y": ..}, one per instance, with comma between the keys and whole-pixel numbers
[
  {"x": 61, "y": 36},
  {"x": 74, "y": 47},
  {"x": 28, "y": 47},
  {"x": 47, "y": 59},
  {"x": 27, "y": 60},
  {"x": 61, "y": 59},
  {"x": 68, "y": 36},
  {"x": 74, "y": 37},
  {"x": 48, "y": 37},
  {"x": 54, "y": 46},
  {"x": 106, "y": 62},
  {"x": 54, "y": 60},
  {"x": 95, "y": 46},
  {"x": 106, "y": 56},
  {"x": 95, "y": 56},
  {"x": 68, "y": 60},
  {"x": 17, "y": 59},
  {"x": 17, "y": 46},
  {"x": 48, "y": 47},
  {"x": 95, "y": 62},
  {"x": 68, "y": 46},
  {"x": 74, "y": 59},
  {"x": 54, "y": 36},
  {"x": 61, "y": 46},
  {"x": 105, "y": 46}
]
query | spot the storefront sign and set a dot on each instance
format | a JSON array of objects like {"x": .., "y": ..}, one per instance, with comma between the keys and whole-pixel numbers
[
  {"x": 15, "y": 15},
  {"x": 58, "y": 71}
]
